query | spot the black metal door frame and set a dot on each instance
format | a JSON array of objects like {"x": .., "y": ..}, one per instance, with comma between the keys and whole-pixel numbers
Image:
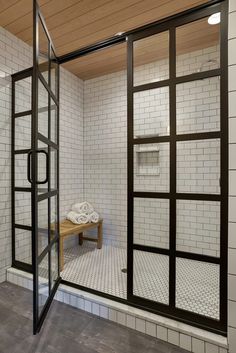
[
  {"x": 173, "y": 195},
  {"x": 38, "y": 318}
]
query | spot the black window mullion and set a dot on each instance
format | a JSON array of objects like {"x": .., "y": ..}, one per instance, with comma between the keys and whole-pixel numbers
[
  {"x": 130, "y": 167},
  {"x": 172, "y": 218}
]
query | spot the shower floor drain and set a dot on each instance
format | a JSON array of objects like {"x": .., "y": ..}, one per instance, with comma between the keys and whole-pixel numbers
[{"x": 124, "y": 270}]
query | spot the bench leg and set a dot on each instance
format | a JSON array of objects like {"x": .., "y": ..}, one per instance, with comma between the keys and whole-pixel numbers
[
  {"x": 61, "y": 253},
  {"x": 99, "y": 243},
  {"x": 80, "y": 238}
]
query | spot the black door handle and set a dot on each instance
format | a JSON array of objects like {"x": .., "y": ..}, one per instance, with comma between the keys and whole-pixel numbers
[{"x": 29, "y": 167}]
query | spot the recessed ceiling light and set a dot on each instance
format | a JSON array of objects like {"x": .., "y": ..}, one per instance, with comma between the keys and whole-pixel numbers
[
  {"x": 119, "y": 33},
  {"x": 214, "y": 19}
]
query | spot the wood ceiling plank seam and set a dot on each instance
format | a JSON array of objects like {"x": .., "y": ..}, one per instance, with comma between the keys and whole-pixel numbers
[
  {"x": 44, "y": 11},
  {"x": 18, "y": 9},
  {"x": 73, "y": 45},
  {"x": 6, "y": 5},
  {"x": 26, "y": 33},
  {"x": 108, "y": 27},
  {"x": 23, "y": 19},
  {"x": 117, "y": 16},
  {"x": 100, "y": 13}
]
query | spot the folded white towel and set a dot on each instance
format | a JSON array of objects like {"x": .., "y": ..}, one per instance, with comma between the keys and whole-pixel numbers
[
  {"x": 78, "y": 218},
  {"x": 82, "y": 218},
  {"x": 83, "y": 207},
  {"x": 72, "y": 216},
  {"x": 94, "y": 217}
]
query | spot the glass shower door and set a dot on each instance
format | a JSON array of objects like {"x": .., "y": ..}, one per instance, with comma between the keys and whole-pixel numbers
[{"x": 43, "y": 171}]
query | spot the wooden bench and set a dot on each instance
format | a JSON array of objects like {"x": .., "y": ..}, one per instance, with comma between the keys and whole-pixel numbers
[{"x": 67, "y": 228}]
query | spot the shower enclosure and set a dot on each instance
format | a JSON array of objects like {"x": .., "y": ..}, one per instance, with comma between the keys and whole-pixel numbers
[
  {"x": 35, "y": 167},
  {"x": 177, "y": 169}
]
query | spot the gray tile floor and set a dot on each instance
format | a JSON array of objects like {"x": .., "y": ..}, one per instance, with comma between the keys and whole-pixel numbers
[{"x": 66, "y": 330}]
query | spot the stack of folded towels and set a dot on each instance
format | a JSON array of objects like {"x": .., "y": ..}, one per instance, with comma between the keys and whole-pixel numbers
[{"x": 82, "y": 213}]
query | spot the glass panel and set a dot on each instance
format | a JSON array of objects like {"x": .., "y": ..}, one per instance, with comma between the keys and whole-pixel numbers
[
  {"x": 21, "y": 170},
  {"x": 54, "y": 74},
  {"x": 42, "y": 167},
  {"x": 151, "y": 276},
  {"x": 198, "y": 106},
  {"x": 197, "y": 287},
  {"x": 151, "y": 167},
  {"x": 197, "y": 47},
  {"x": 151, "y": 222},
  {"x": 54, "y": 264},
  {"x": 43, "y": 52},
  {"x": 23, "y": 245},
  {"x": 23, "y": 208},
  {"x": 23, "y": 133},
  {"x": 53, "y": 169},
  {"x": 43, "y": 291},
  {"x": 198, "y": 166},
  {"x": 23, "y": 95},
  {"x": 42, "y": 109},
  {"x": 151, "y": 112},
  {"x": 53, "y": 122},
  {"x": 198, "y": 227},
  {"x": 53, "y": 214},
  {"x": 42, "y": 225},
  {"x": 151, "y": 59}
]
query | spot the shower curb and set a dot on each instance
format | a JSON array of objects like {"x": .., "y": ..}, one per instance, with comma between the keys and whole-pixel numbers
[{"x": 182, "y": 335}]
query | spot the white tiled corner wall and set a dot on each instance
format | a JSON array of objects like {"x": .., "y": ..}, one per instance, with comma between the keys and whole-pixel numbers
[
  {"x": 15, "y": 56},
  {"x": 232, "y": 179},
  {"x": 187, "y": 337}
]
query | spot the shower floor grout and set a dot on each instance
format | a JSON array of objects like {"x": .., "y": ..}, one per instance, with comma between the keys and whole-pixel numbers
[{"x": 197, "y": 283}]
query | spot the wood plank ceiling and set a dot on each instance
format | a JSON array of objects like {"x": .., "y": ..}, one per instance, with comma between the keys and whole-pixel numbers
[{"x": 74, "y": 24}]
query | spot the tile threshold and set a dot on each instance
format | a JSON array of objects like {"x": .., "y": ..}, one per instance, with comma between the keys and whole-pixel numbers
[{"x": 122, "y": 314}]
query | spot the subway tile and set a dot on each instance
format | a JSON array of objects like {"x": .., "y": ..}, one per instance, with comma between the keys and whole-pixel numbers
[
  {"x": 232, "y": 182},
  {"x": 88, "y": 306},
  {"x": 232, "y": 235},
  {"x": 232, "y": 208},
  {"x": 130, "y": 321},
  {"x": 232, "y": 339},
  {"x": 95, "y": 309},
  {"x": 151, "y": 329},
  {"x": 232, "y": 261},
  {"x": 232, "y": 130},
  {"x": 232, "y": 313},
  {"x": 232, "y": 104},
  {"x": 104, "y": 312},
  {"x": 232, "y": 156},
  {"x": 232, "y": 51},
  {"x": 211, "y": 348},
  {"x": 232, "y": 287},
  {"x": 232, "y": 78},
  {"x": 173, "y": 337},
  {"x": 112, "y": 315},
  {"x": 140, "y": 325},
  {"x": 121, "y": 318},
  {"x": 185, "y": 342},
  {"x": 232, "y": 25},
  {"x": 198, "y": 346},
  {"x": 162, "y": 333}
]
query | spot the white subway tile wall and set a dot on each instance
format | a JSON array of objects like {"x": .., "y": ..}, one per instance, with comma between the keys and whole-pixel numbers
[
  {"x": 232, "y": 180},
  {"x": 15, "y": 56}
]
